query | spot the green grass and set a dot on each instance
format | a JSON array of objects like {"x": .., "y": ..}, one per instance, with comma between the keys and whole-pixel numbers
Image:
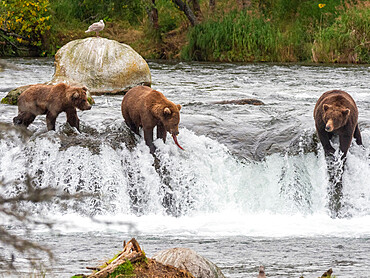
[
  {"x": 285, "y": 31},
  {"x": 237, "y": 37}
]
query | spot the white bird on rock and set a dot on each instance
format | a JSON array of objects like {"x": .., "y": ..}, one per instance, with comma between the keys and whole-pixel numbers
[{"x": 96, "y": 27}]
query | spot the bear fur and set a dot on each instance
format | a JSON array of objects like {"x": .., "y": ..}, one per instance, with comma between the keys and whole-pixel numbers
[
  {"x": 336, "y": 113},
  {"x": 51, "y": 100},
  {"x": 146, "y": 108}
]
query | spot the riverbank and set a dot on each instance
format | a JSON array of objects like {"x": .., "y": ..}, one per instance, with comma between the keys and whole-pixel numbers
[{"x": 233, "y": 31}]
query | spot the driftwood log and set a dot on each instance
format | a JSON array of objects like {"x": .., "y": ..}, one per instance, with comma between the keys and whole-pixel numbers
[
  {"x": 131, "y": 252},
  {"x": 143, "y": 266}
]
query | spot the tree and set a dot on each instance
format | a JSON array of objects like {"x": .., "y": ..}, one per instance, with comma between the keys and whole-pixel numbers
[{"x": 183, "y": 6}]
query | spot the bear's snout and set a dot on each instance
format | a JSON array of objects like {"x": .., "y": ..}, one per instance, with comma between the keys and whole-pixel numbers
[
  {"x": 329, "y": 127},
  {"x": 85, "y": 106},
  {"x": 174, "y": 132}
]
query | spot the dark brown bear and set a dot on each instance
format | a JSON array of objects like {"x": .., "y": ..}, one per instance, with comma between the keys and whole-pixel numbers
[
  {"x": 51, "y": 100},
  {"x": 336, "y": 114},
  {"x": 144, "y": 107}
]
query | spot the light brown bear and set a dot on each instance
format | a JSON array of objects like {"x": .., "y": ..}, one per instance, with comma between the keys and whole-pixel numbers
[
  {"x": 51, "y": 100},
  {"x": 144, "y": 107},
  {"x": 336, "y": 113}
]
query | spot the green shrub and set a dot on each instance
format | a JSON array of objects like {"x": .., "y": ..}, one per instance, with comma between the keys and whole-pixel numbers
[
  {"x": 347, "y": 39},
  {"x": 71, "y": 10},
  {"x": 169, "y": 16},
  {"x": 30, "y": 20}
]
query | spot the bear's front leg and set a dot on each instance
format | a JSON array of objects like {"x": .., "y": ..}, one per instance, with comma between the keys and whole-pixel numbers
[
  {"x": 72, "y": 118},
  {"x": 50, "y": 120},
  {"x": 344, "y": 143},
  {"x": 324, "y": 139},
  {"x": 161, "y": 132},
  {"x": 357, "y": 135},
  {"x": 148, "y": 136}
]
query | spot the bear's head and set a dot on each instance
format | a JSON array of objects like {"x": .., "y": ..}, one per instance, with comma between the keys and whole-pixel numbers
[
  {"x": 335, "y": 117},
  {"x": 170, "y": 118},
  {"x": 78, "y": 97}
]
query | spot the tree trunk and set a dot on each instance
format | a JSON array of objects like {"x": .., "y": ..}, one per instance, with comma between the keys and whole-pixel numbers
[
  {"x": 153, "y": 15},
  {"x": 196, "y": 9},
  {"x": 187, "y": 11},
  {"x": 212, "y": 5}
]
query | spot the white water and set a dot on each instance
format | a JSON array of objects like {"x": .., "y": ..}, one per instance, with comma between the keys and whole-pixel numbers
[{"x": 214, "y": 193}]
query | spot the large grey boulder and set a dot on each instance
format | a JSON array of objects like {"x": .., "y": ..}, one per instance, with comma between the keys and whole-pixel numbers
[
  {"x": 102, "y": 65},
  {"x": 189, "y": 260}
]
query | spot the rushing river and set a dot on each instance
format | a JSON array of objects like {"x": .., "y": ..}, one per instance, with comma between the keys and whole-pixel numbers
[{"x": 250, "y": 189}]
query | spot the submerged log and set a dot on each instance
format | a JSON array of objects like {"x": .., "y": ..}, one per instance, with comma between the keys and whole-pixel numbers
[{"x": 240, "y": 101}]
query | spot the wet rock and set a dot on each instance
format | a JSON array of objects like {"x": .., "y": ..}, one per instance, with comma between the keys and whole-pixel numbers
[
  {"x": 187, "y": 259},
  {"x": 102, "y": 65},
  {"x": 12, "y": 97}
]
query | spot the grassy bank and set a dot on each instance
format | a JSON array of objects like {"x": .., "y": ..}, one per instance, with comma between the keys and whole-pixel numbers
[
  {"x": 336, "y": 32},
  {"x": 267, "y": 30}
]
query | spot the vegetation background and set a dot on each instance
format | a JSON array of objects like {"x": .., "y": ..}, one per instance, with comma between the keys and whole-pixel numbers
[{"x": 205, "y": 30}]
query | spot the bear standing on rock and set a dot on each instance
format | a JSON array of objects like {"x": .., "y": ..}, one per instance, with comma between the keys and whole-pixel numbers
[
  {"x": 144, "y": 107},
  {"x": 336, "y": 114},
  {"x": 51, "y": 100}
]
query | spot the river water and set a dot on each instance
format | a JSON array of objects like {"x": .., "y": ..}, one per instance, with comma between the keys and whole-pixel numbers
[{"x": 250, "y": 189}]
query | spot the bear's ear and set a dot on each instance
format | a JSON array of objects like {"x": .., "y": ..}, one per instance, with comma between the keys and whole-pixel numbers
[
  {"x": 179, "y": 107},
  {"x": 85, "y": 89},
  {"x": 76, "y": 95},
  {"x": 61, "y": 86},
  {"x": 167, "y": 111},
  {"x": 326, "y": 107},
  {"x": 346, "y": 112}
]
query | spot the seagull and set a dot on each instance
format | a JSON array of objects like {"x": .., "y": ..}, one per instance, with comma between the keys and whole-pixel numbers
[{"x": 96, "y": 27}]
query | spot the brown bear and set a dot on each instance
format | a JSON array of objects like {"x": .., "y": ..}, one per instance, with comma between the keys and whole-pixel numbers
[
  {"x": 336, "y": 113},
  {"x": 144, "y": 107},
  {"x": 51, "y": 100}
]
